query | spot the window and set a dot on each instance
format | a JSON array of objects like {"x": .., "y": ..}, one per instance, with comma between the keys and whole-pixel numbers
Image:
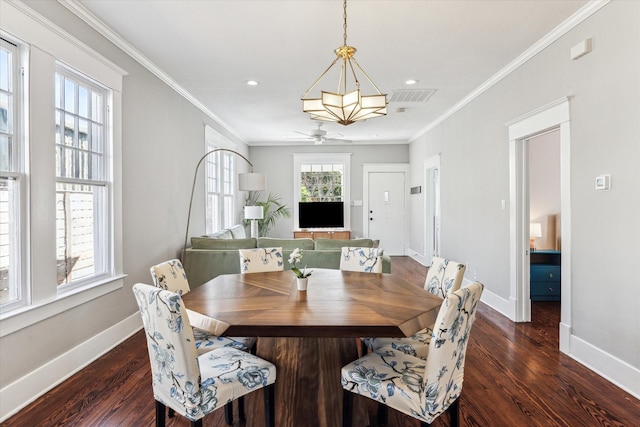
[
  {"x": 62, "y": 245},
  {"x": 321, "y": 177},
  {"x": 321, "y": 182},
  {"x": 220, "y": 183},
  {"x": 11, "y": 292},
  {"x": 82, "y": 189}
]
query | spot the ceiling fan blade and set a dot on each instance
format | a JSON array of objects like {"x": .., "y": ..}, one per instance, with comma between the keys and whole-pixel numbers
[{"x": 305, "y": 134}]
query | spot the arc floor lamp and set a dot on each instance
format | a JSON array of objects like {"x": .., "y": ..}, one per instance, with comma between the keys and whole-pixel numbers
[{"x": 246, "y": 182}]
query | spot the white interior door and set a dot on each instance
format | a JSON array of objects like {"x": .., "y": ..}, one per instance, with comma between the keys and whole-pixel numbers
[{"x": 386, "y": 210}]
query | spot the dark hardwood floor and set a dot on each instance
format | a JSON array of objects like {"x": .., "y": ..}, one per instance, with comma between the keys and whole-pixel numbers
[{"x": 514, "y": 376}]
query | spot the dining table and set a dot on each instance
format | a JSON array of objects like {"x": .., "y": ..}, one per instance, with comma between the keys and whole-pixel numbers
[{"x": 309, "y": 335}]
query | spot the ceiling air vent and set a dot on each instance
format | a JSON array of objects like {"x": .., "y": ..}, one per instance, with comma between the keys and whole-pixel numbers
[{"x": 411, "y": 95}]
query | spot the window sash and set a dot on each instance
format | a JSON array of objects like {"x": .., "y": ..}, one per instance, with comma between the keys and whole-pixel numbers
[
  {"x": 83, "y": 246},
  {"x": 220, "y": 190},
  {"x": 13, "y": 290}
]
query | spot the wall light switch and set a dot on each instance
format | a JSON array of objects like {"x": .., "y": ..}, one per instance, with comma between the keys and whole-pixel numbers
[
  {"x": 357, "y": 203},
  {"x": 603, "y": 182}
]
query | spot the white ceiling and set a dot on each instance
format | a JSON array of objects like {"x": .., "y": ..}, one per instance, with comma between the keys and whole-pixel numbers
[{"x": 211, "y": 48}]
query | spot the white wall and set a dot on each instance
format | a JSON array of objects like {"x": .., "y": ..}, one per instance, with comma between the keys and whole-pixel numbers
[{"x": 604, "y": 91}]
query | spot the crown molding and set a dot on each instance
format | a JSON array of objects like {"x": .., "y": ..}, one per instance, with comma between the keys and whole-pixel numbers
[
  {"x": 94, "y": 22},
  {"x": 586, "y": 11},
  {"x": 45, "y": 23}
]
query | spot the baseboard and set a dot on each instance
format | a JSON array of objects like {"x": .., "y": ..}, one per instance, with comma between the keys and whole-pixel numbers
[
  {"x": 501, "y": 305},
  {"x": 25, "y": 390},
  {"x": 418, "y": 257},
  {"x": 609, "y": 367}
]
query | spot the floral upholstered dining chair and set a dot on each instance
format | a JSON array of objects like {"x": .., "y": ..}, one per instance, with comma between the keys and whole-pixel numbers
[
  {"x": 190, "y": 384},
  {"x": 443, "y": 277},
  {"x": 423, "y": 389},
  {"x": 170, "y": 276},
  {"x": 261, "y": 259},
  {"x": 368, "y": 260}
]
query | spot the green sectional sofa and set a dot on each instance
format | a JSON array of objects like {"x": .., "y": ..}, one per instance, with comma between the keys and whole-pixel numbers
[{"x": 209, "y": 257}]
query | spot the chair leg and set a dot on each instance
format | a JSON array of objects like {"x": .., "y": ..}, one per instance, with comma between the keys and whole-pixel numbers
[
  {"x": 228, "y": 413},
  {"x": 172, "y": 413},
  {"x": 197, "y": 423},
  {"x": 241, "y": 414},
  {"x": 363, "y": 348},
  {"x": 454, "y": 412},
  {"x": 347, "y": 408},
  {"x": 269, "y": 406},
  {"x": 160, "y": 412},
  {"x": 383, "y": 412}
]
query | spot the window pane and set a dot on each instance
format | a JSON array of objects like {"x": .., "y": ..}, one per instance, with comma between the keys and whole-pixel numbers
[
  {"x": 83, "y": 134},
  {"x": 83, "y": 101},
  {"x": 69, "y": 129},
  {"x": 97, "y": 107},
  {"x": 70, "y": 96},
  {"x": 5, "y": 153},
  {"x": 5, "y": 112},
  {"x": 9, "y": 282},
  {"x": 78, "y": 208},
  {"x": 58, "y": 90},
  {"x": 5, "y": 70}
]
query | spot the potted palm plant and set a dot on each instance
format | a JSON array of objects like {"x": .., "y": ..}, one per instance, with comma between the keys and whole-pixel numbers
[{"x": 273, "y": 210}]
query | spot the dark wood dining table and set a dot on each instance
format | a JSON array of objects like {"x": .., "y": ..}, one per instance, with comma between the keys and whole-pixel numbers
[{"x": 309, "y": 335}]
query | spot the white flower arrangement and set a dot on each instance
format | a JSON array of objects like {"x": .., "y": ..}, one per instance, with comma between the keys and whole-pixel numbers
[{"x": 295, "y": 258}]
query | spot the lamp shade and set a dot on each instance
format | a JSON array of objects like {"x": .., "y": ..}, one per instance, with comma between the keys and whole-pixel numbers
[
  {"x": 252, "y": 182},
  {"x": 535, "y": 229},
  {"x": 253, "y": 212}
]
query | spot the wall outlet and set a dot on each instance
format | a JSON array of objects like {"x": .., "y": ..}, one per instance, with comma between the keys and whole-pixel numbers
[{"x": 475, "y": 275}]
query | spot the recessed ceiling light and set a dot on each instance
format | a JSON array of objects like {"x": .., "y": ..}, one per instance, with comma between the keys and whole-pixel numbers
[
  {"x": 411, "y": 82},
  {"x": 252, "y": 83}
]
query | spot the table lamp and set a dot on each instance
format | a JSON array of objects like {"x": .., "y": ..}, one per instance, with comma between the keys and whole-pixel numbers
[
  {"x": 535, "y": 230},
  {"x": 254, "y": 213}
]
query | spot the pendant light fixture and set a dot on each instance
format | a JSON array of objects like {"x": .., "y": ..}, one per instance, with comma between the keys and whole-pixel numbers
[{"x": 345, "y": 107}]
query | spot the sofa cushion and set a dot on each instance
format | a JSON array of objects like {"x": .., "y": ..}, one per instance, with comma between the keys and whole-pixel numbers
[
  {"x": 222, "y": 234},
  {"x": 238, "y": 232},
  {"x": 222, "y": 244},
  {"x": 286, "y": 244},
  {"x": 337, "y": 244}
]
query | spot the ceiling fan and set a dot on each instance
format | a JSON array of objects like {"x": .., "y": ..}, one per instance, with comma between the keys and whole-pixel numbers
[{"x": 319, "y": 136}]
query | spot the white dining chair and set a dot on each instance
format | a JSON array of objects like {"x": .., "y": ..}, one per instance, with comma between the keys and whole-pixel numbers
[
  {"x": 191, "y": 384},
  {"x": 443, "y": 277},
  {"x": 422, "y": 389},
  {"x": 368, "y": 260},
  {"x": 259, "y": 260}
]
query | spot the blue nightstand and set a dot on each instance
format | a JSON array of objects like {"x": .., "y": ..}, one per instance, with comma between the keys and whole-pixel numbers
[{"x": 544, "y": 275}]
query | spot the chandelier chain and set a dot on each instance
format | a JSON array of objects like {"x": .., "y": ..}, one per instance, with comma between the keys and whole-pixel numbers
[{"x": 344, "y": 26}]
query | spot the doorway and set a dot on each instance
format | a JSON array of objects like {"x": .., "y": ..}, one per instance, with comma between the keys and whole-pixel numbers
[
  {"x": 552, "y": 116},
  {"x": 431, "y": 208},
  {"x": 385, "y": 205}
]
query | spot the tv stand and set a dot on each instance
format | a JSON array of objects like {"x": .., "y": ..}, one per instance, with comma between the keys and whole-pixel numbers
[{"x": 322, "y": 234}]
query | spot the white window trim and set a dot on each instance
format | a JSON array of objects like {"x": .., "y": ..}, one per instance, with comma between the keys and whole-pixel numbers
[
  {"x": 315, "y": 158},
  {"x": 48, "y": 43}
]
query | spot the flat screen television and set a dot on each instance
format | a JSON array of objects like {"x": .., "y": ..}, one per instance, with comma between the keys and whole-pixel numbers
[{"x": 321, "y": 214}]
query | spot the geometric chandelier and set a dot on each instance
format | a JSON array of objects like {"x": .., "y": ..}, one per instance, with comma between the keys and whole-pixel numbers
[{"x": 341, "y": 106}]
